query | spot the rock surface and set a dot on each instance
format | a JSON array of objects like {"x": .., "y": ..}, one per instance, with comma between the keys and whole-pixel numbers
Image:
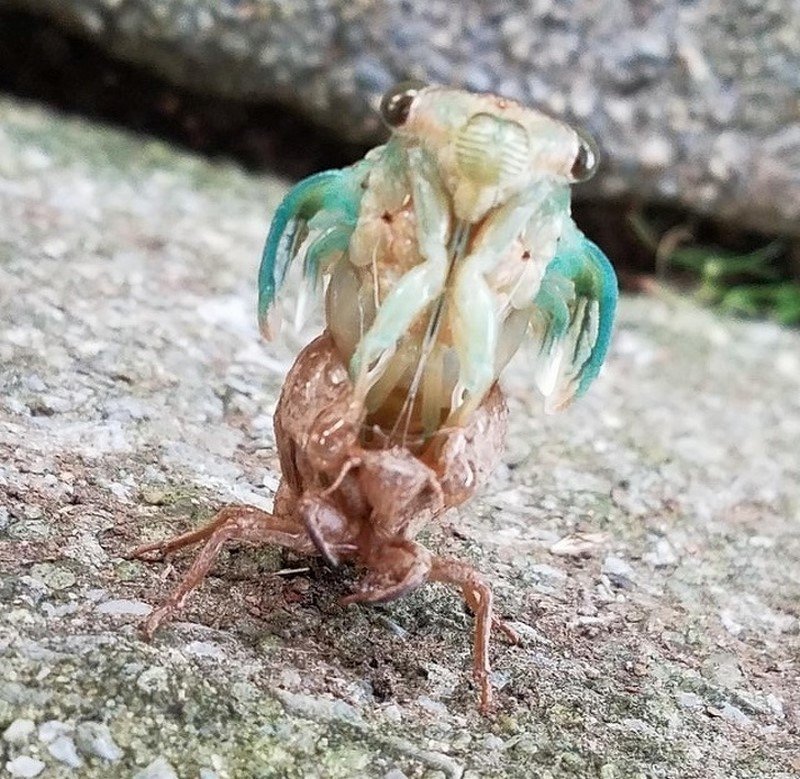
[
  {"x": 693, "y": 103},
  {"x": 644, "y": 543}
]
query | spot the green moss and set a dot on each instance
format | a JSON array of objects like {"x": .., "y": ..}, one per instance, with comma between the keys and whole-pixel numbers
[
  {"x": 757, "y": 283},
  {"x": 188, "y": 715}
]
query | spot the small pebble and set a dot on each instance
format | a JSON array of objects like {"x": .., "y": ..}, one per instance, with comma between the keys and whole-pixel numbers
[
  {"x": 153, "y": 497},
  {"x": 205, "y": 649},
  {"x": 434, "y": 707},
  {"x": 154, "y": 679},
  {"x": 662, "y": 554},
  {"x": 619, "y": 572},
  {"x": 56, "y": 577},
  {"x": 577, "y": 545},
  {"x": 616, "y": 566},
  {"x": 94, "y": 738},
  {"x": 24, "y": 767},
  {"x": 127, "y": 570},
  {"x": 689, "y": 700},
  {"x": 52, "y": 729},
  {"x": 33, "y": 512},
  {"x": 290, "y": 679},
  {"x": 492, "y": 743},
  {"x": 723, "y": 668},
  {"x": 776, "y": 705},
  {"x": 158, "y": 769},
  {"x": 544, "y": 571},
  {"x": 63, "y": 750},
  {"x": 121, "y": 607},
  {"x": 735, "y": 715},
  {"x": 19, "y": 731},
  {"x": 393, "y": 713}
]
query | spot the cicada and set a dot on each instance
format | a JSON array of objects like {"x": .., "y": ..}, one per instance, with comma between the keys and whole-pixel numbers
[{"x": 443, "y": 251}]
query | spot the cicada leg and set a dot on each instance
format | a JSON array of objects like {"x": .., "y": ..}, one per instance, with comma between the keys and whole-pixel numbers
[
  {"x": 479, "y": 598},
  {"x": 329, "y": 529},
  {"x": 419, "y": 287},
  {"x": 396, "y": 567},
  {"x": 233, "y": 523},
  {"x": 475, "y": 317},
  {"x": 323, "y": 206}
]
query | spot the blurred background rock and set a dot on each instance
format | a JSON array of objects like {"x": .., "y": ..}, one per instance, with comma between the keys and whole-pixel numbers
[{"x": 695, "y": 105}]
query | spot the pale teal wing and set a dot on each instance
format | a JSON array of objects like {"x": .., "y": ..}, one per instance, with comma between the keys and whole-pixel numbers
[
  {"x": 573, "y": 318},
  {"x": 316, "y": 219}
]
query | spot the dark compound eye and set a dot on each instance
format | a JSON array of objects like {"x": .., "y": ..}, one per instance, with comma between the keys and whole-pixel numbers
[
  {"x": 396, "y": 103},
  {"x": 586, "y": 159}
]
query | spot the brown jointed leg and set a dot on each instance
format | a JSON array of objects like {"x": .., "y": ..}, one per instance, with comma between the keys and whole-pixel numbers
[
  {"x": 478, "y": 596},
  {"x": 327, "y": 528},
  {"x": 233, "y": 523},
  {"x": 505, "y": 629},
  {"x": 158, "y": 550}
]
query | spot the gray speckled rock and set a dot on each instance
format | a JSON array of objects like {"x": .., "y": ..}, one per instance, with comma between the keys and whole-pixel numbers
[
  {"x": 644, "y": 543},
  {"x": 694, "y": 103}
]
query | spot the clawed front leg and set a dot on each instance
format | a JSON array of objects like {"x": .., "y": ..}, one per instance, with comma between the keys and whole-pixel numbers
[
  {"x": 158, "y": 550},
  {"x": 395, "y": 569},
  {"x": 233, "y": 523},
  {"x": 511, "y": 635},
  {"x": 478, "y": 596},
  {"x": 328, "y": 528},
  {"x": 474, "y": 316},
  {"x": 403, "y": 565}
]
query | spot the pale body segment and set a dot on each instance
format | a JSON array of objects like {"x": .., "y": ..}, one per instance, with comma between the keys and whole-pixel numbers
[{"x": 444, "y": 248}]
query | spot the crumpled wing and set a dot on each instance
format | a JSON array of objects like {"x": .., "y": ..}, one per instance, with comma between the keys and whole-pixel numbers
[
  {"x": 572, "y": 318},
  {"x": 315, "y": 221}
]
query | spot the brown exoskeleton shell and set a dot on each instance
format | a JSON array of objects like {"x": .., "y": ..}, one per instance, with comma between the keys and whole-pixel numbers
[{"x": 348, "y": 501}]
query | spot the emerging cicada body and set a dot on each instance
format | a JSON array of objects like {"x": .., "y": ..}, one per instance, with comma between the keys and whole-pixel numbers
[{"x": 445, "y": 248}]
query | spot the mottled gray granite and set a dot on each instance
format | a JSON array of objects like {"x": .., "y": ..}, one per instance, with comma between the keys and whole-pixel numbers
[
  {"x": 645, "y": 543},
  {"x": 693, "y": 102}
]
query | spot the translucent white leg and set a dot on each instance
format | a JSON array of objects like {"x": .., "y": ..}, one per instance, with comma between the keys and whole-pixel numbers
[
  {"x": 474, "y": 314},
  {"x": 418, "y": 288}
]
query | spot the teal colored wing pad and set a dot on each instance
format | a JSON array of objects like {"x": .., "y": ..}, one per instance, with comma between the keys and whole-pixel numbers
[
  {"x": 324, "y": 206},
  {"x": 575, "y": 315}
]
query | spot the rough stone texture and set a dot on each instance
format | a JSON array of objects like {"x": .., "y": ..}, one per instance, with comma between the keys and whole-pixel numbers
[
  {"x": 695, "y": 103},
  {"x": 645, "y": 543}
]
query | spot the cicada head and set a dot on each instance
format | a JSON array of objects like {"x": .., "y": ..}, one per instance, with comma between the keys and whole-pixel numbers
[{"x": 487, "y": 148}]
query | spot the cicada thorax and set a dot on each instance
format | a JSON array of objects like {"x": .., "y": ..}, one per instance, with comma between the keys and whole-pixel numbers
[
  {"x": 414, "y": 394},
  {"x": 382, "y": 250}
]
